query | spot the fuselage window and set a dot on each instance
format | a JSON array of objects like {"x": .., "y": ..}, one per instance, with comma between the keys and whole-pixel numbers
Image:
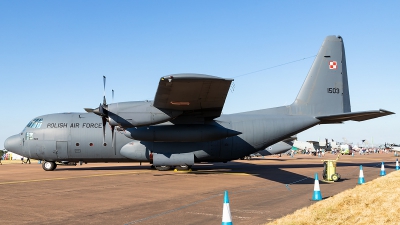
[
  {"x": 29, "y": 136},
  {"x": 104, "y": 144},
  {"x": 77, "y": 144}
]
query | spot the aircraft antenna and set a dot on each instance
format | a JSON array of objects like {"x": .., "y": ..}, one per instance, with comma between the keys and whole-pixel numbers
[{"x": 275, "y": 66}]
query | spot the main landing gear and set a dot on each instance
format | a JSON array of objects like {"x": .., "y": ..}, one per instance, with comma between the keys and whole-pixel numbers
[
  {"x": 49, "y": 166},
  {"x": 166, "y": 168}
]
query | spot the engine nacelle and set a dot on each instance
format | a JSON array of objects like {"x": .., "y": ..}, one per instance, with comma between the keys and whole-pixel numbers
[
  {"x": 136, "y": 151},
  {"x": 136, "y": 114},
  {"x": 178, "y": 159},
  {"x": 180, "y": 133}
]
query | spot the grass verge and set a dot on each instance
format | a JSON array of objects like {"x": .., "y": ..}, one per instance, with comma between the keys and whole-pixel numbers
[{"x": 375, "y": 202}]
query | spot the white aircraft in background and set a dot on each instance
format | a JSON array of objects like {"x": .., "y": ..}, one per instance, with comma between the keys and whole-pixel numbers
[
  {"x": 314, "y": 145},
  {"x": 393, "y": 147}
]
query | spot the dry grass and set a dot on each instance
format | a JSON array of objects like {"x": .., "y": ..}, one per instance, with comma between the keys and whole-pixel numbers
[{"x": 375, "y": 202}]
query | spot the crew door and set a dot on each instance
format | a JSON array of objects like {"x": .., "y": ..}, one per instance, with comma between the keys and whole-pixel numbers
[{"x": 62, "y": 150}]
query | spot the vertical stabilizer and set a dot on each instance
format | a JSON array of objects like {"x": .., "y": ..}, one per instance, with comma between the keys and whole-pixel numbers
[{"x": 325, "y": 90}]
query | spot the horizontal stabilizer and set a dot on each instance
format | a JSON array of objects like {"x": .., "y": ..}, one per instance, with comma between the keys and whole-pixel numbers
[{"x": 355, "y": 116}]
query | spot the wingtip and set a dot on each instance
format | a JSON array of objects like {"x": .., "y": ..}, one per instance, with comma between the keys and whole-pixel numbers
[{"x": 386, "y": 111}]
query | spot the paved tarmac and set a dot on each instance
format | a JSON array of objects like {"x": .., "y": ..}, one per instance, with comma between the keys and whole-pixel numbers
[{"x": 260, "y": 190}]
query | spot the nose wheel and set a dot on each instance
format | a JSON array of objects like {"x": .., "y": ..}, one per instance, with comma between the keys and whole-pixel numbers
[{"x": 49, "y": 166}]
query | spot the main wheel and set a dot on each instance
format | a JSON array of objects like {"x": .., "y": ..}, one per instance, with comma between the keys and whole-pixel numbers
[
  {"x": 183, "y": 167},
  {"x": 49, "y": 166},
  {"x": 324, "y": 174},
  {"x": 163, "y": 168},
  {"x": 335, "y": 177}
]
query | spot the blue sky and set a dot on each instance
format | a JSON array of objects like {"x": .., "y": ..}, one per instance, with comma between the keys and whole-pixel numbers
[{"x": 53, "y": 55}]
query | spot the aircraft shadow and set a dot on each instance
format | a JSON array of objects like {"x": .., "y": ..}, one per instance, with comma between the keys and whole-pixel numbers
[
  {"x": 108, "y": 168},
  {"x": 277, "y": 173}
]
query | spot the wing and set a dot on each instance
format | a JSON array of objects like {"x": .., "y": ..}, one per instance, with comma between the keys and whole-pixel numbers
[{"x": 194, "y": 94}]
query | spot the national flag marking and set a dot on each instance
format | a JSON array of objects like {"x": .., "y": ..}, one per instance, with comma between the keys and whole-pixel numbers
[{"x": 332, "y": 65}]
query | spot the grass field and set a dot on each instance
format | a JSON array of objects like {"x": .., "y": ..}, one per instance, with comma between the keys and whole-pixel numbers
[{"x": 375, "y": 202}]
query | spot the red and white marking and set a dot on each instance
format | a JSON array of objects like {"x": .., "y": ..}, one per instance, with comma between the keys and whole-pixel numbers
[{"x": 332, "y": 65}]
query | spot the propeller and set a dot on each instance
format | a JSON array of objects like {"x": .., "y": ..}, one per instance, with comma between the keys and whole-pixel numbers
[
  {"x": 103, "y": 112},
  {"x": 112, "y": 127}
]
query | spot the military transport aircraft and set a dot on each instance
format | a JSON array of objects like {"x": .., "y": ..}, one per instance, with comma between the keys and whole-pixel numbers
[{"x": 183, "y": 124}]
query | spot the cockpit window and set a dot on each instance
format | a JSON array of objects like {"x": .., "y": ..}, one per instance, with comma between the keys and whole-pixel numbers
[
  {"x": 36, "y": 123},
  {"x": 29, "y": 136}
]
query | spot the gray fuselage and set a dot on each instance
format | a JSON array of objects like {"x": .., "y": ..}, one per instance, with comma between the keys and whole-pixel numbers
[{"x": 78, "y": 137}]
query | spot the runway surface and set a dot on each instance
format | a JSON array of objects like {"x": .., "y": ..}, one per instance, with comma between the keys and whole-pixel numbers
[{"x": 260, "y": 190}]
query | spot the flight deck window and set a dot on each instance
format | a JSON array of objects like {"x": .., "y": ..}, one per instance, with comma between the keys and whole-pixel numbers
[
  {"x": 29, "y": 136},
  {"x": 36, "y": 123}
]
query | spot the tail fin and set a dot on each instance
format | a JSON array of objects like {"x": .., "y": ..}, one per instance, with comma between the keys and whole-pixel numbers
[{"x": 325, "y": 90}]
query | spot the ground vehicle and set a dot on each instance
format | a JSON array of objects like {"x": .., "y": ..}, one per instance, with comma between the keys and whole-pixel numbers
[
  {"x": 329, "y": 172},
  {"x": 345, "y": 149}
]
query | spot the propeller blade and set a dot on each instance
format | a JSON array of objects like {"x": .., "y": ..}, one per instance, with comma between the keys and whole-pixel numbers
[
  {"x": 112, "y": 135},
  {"x": 104, "y": 128},
  {"x": 89, "y": 110},
  {"x": 104, "y": 90}
]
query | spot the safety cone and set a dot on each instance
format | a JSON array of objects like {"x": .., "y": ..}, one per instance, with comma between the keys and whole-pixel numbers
[
  {"x": 383, "y": 172},
  {"x": 317, "y": 192},
  {"x": 397, "y": 164},
  {"x": 361, "y": 179},
  {"x": 226, "y": 212}
]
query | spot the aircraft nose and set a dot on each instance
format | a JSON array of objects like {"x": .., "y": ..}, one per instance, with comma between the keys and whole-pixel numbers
[{"x": 13, "y": 144}]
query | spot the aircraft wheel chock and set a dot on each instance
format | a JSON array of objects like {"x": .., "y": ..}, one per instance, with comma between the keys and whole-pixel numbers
[
  {"x": 163, "y": 168},
  {"x": 49, "y": 166},
  {"x": 335, "y": 177}
]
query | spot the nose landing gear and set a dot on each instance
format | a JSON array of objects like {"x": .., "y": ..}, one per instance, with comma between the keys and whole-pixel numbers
[{"x": 49, "y": 165}]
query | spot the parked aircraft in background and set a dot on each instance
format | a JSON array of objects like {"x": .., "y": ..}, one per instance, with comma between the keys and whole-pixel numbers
[
  {"x": 393, "y": 147},
  {"x": 311, "y": 146},
  {"x": 184, "y": 125}
]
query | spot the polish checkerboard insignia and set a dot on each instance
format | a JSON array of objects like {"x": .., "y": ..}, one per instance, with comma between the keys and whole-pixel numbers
[{"x": 332, "y": 65}]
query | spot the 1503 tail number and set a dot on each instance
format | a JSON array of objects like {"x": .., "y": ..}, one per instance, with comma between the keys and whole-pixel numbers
[{"x": 333, "y": 90}]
